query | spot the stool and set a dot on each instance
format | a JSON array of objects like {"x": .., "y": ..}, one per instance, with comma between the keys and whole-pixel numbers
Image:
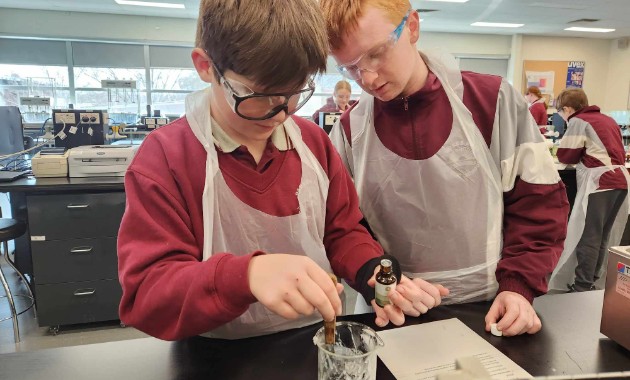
[{"x": 9, "y": 230}]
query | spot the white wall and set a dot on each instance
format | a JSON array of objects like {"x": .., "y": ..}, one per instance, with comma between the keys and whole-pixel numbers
[
  {"x": 606, "y": 75},
  {"x": 466, "y": 44},
  {"x": 618, "y": 84},
  {"x": 594, "y": 52}
]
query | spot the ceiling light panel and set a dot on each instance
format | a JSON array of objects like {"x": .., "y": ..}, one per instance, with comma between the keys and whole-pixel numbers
[
  {"x": 559, "y": 6},
  {"x": 592, "y": 30},
  {"x": 150, "y": 4},
  {"x": 497, "y": 24}
]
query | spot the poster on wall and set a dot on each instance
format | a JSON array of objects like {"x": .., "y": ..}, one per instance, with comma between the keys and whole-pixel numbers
[
  {"x": 544, "y": 80},
  {"x": 575, "y": 74}
]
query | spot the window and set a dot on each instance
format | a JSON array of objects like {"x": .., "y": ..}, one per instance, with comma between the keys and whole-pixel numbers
[
  {"x": 123, "y": 105},
  {"x": 176, "y": 80},
  {"x": 90, "y": 77},
  {"x": 169, "y": 103},
  {"x": 169, "y": 87},
  {"x": 325, "y": 84},
  {"x": 313, "y": 104},
  {"x": 18, "y": 81},
  {"x": 59, "y": 74}
]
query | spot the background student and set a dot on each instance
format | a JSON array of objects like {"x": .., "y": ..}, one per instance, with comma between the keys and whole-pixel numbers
[
  {"x": 339, "y": 102},
  {"x": 593, "y": 142},
  {"x": 537, "y": 107}
]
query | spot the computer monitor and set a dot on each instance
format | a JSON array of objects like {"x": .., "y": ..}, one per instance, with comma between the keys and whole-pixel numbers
[
  {"x": 11, "y": 133},
  {"x": 327, "y": 120}
]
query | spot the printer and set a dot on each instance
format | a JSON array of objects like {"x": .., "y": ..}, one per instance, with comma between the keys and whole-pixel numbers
[
  {"x": 100, "y": 160},
  {"x": 50, "y": 163}
]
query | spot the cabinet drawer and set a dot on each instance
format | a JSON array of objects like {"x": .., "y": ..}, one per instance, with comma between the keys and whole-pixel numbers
[
  {"x": 74, "y": 260},
  {"x": 66, "y": 216},
  {"x": 78, "y": 302}
]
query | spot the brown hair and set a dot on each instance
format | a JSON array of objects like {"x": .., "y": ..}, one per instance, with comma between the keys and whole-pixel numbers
[
  {"x": 534, "y": 91},
  {"x": 342, "y": 16},
  {"x": 275, "y": 43},
  {"x": 572, "y": 97},
  {"x": 343, "y": 85}
]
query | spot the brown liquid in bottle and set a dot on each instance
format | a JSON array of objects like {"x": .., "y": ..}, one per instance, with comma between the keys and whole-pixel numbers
[{"x": 385, "y": 281}]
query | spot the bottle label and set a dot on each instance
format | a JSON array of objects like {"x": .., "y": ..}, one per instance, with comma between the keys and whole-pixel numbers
[{"x": 381, "y": 291}]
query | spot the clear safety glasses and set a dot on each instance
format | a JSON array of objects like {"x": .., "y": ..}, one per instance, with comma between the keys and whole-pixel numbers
[
  {"x": 373, "y": 59},
  {"x": 251, "y": 105}
]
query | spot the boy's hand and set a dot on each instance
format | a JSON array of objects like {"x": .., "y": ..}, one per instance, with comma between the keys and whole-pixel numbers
[
  {"x": 411, "y": 297},
  {"x": 513, "y": 314},
  {"x": 290, "y": 285}
]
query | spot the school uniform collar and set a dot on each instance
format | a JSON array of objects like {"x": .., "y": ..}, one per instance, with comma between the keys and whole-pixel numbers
[
  {"x": 279, "y": 138},
  {"x": 587, "y": 109}
]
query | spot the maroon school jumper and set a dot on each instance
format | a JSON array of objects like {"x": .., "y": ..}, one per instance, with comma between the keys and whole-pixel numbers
[{"x": 168, "y": 291}]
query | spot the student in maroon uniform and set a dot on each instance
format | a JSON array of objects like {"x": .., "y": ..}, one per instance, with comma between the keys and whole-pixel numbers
[
  {"x": 236, "y": 212},
  {"x": 339, "y": 102},
  {"x": 593, "y": 142},
  {"x": 537, "y": 107},
  {"x": 453, "y": 176}
]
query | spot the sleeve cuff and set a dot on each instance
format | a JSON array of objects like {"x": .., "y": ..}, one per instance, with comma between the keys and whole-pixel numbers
[
  {"x": 515, "y": 285},
  {"x": 232, "y": 282}
]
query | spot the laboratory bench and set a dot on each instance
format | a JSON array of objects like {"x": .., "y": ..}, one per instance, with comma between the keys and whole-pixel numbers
[
  {"x": 569, "y": 344},
  {"x": 69, "y": 248}
]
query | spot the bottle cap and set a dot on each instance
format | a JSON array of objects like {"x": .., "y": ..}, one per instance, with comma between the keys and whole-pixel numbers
[{"x": 386, "y": 263}]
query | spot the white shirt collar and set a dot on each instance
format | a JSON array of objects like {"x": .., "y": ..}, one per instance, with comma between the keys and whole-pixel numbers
[{"x": 279, "y": 138}]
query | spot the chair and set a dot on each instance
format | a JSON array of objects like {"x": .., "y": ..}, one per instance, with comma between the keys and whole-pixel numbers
[{"x": 9, "y": 230}]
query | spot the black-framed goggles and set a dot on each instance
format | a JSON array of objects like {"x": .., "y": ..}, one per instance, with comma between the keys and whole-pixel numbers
[{"x": 252, "y": 105}]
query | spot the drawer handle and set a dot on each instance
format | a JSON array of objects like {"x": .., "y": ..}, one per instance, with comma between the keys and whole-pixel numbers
[
  {"x": 81, "y": 249},
  {"x": 84, "y": 292},
  {"x": 74, "y": 207}
]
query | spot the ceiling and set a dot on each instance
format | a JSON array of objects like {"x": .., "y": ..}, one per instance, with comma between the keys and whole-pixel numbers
[{"x": 541, "y": 17}]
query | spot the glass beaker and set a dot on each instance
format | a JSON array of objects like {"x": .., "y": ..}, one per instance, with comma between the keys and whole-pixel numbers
[{"x": 352, "y": 357}]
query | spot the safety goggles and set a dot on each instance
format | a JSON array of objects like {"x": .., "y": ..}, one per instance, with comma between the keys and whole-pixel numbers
[
  {"x": 252, "y": 105},
  {"x": 373, "y": 59}
]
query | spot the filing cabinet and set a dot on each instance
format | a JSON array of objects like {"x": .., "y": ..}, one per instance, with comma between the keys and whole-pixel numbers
[{"x": 73, "y": 247}]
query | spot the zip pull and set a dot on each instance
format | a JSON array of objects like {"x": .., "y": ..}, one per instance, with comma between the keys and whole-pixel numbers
[{"x": 406, "y": 100}]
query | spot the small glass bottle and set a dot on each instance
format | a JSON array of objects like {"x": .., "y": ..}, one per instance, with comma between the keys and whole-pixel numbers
[{"x": 385, "y": 281}]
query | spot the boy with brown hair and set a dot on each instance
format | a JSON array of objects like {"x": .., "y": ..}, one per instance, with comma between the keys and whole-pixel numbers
[
  {"x": 236, "y": 212},
  {"x": 593, "y": 142},
  {"x": 452, "y": 173}
]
